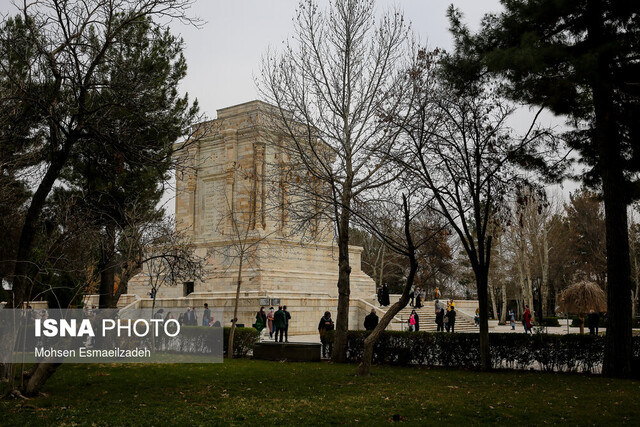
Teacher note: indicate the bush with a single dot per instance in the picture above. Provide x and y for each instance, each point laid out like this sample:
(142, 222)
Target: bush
(567, 353)
(549, 321)
(243, 340)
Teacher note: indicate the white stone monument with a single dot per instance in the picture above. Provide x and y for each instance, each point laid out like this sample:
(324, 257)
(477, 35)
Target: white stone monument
(234, 193)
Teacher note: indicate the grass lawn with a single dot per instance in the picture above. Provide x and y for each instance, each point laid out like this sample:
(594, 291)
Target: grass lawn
(252, 392)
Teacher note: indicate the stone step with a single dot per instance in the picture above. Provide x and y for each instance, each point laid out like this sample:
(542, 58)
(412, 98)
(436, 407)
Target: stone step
(427, 320)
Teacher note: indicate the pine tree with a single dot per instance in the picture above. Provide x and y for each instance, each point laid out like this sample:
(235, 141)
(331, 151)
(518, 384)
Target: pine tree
(579, 58)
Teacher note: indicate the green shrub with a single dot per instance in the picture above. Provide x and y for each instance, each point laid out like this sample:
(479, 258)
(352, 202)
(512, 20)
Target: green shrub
(243, 340)
(567, 353)
(549, 321)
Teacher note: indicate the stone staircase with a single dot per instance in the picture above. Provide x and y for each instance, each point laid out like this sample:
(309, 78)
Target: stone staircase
(427, 319)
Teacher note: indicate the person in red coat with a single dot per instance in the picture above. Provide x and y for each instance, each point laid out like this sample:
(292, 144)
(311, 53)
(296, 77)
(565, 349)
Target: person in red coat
(526, 320)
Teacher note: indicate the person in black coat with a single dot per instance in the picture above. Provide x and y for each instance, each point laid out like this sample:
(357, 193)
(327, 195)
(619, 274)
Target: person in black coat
(451, 315)
(326, 325)
(286, 324)
(440, 320)
(190, 318)
(384, 296)
(371, 321)
(593, 320)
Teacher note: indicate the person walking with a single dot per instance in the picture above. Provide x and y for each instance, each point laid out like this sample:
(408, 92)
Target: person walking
(412, 295)
(437, 293)
(526, 320)
(371, 321)
(326, 325)
(440, 320)
(417, 319)
(279, 322)
(261, 321)
(206, 315)
(270, 321)
(512, 320)
(451, 315)
(419, 297)
(286, 323)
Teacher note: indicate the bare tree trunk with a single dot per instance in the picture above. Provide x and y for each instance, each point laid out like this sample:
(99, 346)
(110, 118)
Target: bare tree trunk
(531, 299)
(523, 287)
(339, 352)
(36, 377)
(482, 284)
(107, 268)
(636, 279)
(28, 232)
(235, 309)
(503, 314)
(544, 287)
(365, 364)
(493, 302)
(381, 273)
(520, 308)
(581, 317)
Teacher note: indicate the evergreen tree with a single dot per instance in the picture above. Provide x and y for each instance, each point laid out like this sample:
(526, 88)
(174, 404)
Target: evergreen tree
(579, 58)
(120, 170)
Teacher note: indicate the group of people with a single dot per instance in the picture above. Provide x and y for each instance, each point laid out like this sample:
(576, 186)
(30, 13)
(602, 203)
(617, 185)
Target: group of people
(417, 296)
(190, 317)
(527, 320)
(276, 321)
(445, 320)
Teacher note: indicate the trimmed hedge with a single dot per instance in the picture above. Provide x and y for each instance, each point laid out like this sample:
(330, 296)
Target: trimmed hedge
(199, 339)
(243, 340)
(568, 353)
(549, 321)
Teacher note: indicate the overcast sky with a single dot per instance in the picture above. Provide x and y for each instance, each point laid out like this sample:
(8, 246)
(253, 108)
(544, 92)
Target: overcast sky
(224, 55)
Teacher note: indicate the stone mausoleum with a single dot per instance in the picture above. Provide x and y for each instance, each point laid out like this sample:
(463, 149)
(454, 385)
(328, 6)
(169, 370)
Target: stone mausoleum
(232, 194)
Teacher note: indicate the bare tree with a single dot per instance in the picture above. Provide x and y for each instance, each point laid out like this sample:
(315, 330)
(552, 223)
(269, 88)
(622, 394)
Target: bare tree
(169, 257)
(331, 83)
(413, 228)
(459, 148)
(247, 240)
